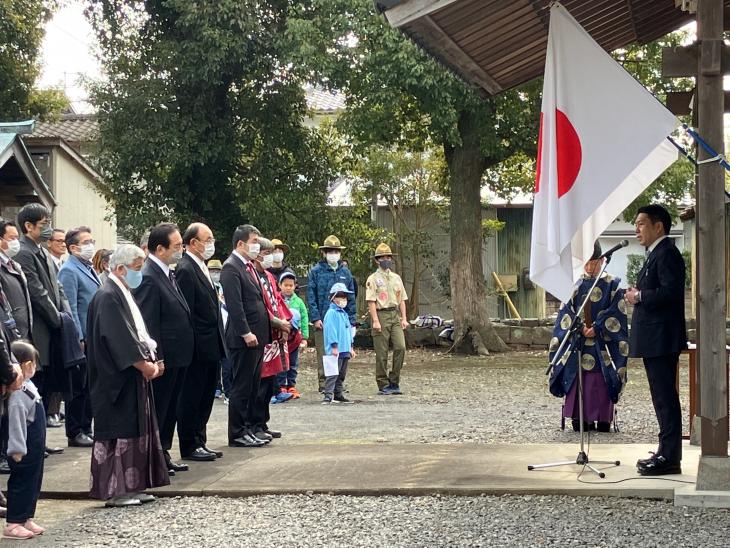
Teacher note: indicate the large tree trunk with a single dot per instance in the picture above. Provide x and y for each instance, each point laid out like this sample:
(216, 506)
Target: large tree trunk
(473, 332)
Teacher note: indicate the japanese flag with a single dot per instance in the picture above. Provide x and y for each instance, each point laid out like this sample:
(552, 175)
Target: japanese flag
(603, 140)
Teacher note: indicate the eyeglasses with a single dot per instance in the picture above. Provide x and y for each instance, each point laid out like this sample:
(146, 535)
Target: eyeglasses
(87, 242)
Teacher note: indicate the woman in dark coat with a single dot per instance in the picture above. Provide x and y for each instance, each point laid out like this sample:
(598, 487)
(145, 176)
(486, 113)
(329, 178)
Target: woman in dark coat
(127, 455)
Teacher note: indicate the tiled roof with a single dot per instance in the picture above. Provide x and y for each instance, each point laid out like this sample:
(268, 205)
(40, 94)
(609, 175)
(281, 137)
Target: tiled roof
(320, 100)
(73, 128)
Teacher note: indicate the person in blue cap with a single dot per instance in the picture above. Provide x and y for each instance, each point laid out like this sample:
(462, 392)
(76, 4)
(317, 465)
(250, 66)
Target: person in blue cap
(337, 342)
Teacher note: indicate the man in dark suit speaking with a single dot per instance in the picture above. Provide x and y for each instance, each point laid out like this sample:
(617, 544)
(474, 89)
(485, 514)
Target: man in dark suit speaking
(658, 333)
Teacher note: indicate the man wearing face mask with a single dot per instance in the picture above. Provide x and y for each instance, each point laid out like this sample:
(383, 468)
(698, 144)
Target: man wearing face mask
(278, 265)
(198, 393)
(248, 331)
(80, 282)
(322, 277)
(167, 318)
(13, 280)
(46, 296)
(386, 299)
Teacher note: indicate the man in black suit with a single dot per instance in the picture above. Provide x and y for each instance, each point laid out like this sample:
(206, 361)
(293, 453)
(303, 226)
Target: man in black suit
(198, 393)
(167, 317)
(13, 280)
(247, 332)
(658, 333)
(46, 297)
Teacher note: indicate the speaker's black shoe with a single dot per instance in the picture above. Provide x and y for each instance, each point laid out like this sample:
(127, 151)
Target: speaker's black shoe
(200, 454)
(659, 466)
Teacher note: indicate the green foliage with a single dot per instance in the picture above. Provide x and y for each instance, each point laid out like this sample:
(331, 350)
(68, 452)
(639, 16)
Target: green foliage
(201, 120)
(636, 261)
(21, 38)
(490, 227)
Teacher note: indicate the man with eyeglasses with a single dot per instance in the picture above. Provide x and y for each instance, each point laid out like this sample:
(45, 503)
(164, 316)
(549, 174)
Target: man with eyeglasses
(198, 392)
(57, 247)
(80, 282)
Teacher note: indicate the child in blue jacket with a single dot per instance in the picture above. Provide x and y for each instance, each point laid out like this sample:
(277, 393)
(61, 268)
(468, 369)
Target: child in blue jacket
(337, 342)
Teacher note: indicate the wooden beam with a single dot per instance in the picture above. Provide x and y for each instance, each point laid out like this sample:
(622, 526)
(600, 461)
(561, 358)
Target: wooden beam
(454, 55)
(679, 102)
(409, 11)
(682, 62)
(711, 246)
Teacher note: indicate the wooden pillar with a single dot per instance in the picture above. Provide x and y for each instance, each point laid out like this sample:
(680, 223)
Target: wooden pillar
(711, 240)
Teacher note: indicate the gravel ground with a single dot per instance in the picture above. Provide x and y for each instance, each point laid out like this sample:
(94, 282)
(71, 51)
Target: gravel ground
(393, 522)
(497, 399)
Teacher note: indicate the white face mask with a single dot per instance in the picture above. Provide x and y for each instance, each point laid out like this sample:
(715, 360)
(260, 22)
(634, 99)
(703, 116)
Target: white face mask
(253, 250)
(333, 258)
(13, 248)
(342, 303)
(278, 256)
(209, 251)
(267, 261)
(87, 252)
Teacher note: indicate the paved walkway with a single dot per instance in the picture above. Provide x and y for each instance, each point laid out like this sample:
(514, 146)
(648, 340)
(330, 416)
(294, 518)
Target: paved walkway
(380, 469)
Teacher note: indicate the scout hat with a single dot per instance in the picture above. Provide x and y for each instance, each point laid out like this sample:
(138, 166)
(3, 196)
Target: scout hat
(382, 249)
(339, 288)
(331, 242)
(287, 275)
(278, 244)
(214, 264)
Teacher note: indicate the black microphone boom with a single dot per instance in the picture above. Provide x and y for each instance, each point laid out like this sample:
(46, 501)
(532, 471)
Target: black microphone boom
(622, 243)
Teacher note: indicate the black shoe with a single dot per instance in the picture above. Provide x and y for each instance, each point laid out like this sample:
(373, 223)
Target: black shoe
(342, 399)
(643, 462)
(218, 454)
(177, 466)
(199, 454)
(54, 450)
(659, 466)
(81, 440)
(246, 441)
(253, 435)
(263, 435)
(273, 433)
(4, 469)
(53, 422)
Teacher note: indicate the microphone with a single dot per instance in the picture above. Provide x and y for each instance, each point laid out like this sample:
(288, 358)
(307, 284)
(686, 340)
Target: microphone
(607, 254)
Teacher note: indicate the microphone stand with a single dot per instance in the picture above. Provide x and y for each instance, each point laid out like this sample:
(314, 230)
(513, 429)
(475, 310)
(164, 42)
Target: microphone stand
(571, 338)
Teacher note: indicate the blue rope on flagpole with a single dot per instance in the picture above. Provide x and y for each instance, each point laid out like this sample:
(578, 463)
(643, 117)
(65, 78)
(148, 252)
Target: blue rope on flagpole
(714, 156)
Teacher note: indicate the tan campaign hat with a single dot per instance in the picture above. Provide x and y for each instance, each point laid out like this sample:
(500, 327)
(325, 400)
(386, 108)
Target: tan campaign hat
(383, 249)
(332, 242)
(214, 264)
(278, 244)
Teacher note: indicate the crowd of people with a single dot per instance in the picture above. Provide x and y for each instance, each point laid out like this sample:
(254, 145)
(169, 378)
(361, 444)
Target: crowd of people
(133, 344)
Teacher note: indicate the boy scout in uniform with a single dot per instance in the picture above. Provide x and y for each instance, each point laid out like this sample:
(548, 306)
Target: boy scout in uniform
(386, 298)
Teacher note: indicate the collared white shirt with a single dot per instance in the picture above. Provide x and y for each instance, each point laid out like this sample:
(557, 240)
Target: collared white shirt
(243, 259)
(4, 258)
(652, 247)
(163, 266)
(202, 266)
(142, 333)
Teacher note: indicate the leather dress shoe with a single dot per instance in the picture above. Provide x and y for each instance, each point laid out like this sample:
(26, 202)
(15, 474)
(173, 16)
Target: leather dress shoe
(218, 454)
(200, 454)
(272, 433)
(80, 440)
(53, 422)
(54, 450)
(177, 466)
(255, 437)
(246, 441)
(659, 466)
(643, 462)
(170, 473)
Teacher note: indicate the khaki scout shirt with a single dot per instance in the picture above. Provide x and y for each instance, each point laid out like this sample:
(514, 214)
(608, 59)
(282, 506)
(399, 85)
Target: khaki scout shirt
(386, 289)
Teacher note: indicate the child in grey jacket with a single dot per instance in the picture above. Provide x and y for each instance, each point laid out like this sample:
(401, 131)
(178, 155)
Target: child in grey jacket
(26, 443)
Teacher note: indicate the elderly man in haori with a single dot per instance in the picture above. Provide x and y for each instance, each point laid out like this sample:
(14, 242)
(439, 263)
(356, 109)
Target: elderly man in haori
(601, 349)
(127, 455)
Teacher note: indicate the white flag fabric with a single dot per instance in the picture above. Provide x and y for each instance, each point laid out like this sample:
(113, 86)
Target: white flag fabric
(603, 140)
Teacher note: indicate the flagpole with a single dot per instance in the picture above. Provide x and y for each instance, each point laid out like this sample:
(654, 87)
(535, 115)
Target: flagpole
(573, 334)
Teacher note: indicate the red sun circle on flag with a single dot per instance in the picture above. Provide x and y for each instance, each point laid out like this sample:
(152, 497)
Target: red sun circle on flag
(569, 153)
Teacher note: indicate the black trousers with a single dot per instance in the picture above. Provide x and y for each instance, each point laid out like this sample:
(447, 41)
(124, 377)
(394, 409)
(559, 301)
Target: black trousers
(260, 410)
(662, 374)
(244, 387)
(26, 476)
(166, 390)
(195, 405)
(78, 403)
